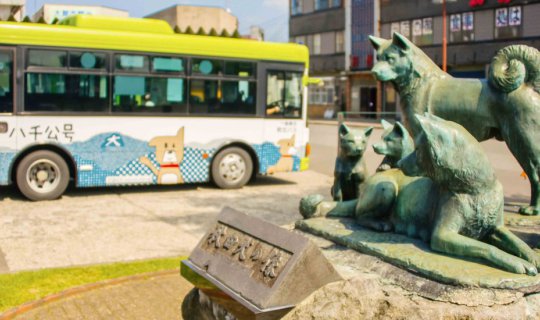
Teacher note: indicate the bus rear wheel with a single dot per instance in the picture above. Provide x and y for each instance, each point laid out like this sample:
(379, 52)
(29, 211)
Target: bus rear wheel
(232, 168)
(42, 175)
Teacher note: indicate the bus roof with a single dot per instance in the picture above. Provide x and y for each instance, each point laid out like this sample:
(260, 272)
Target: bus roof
(144, 35)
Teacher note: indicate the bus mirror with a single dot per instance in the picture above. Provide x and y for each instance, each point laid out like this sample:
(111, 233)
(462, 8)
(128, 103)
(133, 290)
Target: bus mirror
(314, 81)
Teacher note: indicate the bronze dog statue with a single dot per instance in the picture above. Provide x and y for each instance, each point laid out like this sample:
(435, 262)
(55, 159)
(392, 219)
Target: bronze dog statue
(505, 106)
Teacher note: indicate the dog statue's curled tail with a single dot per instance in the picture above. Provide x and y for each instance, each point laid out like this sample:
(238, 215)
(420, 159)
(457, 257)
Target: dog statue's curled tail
(513, 66)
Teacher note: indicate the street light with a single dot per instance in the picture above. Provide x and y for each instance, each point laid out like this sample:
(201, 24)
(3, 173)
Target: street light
(444, 39)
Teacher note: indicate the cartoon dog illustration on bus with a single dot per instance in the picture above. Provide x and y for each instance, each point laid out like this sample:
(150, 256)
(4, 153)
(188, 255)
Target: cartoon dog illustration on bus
(286, 161)
(169, 155)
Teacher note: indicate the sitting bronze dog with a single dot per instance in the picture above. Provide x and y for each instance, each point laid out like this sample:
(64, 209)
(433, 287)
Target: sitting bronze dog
(351, 168)
(505, 106)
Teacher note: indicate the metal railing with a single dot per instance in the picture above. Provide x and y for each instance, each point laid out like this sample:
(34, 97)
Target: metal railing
(367, 116)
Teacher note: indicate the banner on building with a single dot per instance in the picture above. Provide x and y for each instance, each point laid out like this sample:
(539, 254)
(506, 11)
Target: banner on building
(427, 26)
(515, 16)
(501, 17)
(417, 27)
(455, 22)
(468, 21)
(405, 27)
(394, 27)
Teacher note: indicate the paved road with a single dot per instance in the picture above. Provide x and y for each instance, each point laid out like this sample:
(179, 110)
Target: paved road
(324, 143)
(89, 226)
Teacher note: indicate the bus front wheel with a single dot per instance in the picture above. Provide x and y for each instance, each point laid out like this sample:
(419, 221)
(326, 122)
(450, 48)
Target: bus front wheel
(232, 168)
(42, 175)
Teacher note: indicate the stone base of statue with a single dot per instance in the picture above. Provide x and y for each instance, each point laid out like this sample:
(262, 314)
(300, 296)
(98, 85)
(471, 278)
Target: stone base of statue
(390, 276)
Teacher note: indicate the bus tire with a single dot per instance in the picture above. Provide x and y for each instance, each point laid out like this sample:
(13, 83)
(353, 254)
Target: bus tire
(42, 175)
(232, 168)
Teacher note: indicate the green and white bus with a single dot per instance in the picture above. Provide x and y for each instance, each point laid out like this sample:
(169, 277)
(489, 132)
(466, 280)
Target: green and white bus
(105, 101)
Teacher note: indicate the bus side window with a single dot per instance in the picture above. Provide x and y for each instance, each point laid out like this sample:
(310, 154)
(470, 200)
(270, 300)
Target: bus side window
(284, 94)
(149, 94)
(6, 82)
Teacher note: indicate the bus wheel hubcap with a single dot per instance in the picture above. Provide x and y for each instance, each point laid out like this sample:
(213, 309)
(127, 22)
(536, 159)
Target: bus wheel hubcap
(43, 176)
(232, 168)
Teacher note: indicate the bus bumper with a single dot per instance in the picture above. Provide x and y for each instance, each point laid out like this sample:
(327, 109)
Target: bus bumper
(304, 164)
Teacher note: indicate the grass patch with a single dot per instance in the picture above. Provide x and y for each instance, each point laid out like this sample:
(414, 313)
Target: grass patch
(25, 286)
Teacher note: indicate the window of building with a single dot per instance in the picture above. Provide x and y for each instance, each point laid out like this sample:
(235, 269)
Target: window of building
(206, 67)
(508, 22)
(284, 94)
(149, 94)
(47, 58)
(133, 63)
(461, 27)
(327, 4)
(340, 47)
(66, 92)
(222, 97)
(6, 82)
(316, 44)
(300, 40)
(422, 31)
(296, 7)
(321, 95)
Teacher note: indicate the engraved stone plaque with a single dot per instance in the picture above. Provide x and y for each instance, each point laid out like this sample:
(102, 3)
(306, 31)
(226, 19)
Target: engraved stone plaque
(260, 265)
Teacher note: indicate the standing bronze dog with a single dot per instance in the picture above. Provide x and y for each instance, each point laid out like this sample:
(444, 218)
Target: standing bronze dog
(505, 106)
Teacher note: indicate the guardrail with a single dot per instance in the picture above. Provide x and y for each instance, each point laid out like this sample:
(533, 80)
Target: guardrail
(365, 116)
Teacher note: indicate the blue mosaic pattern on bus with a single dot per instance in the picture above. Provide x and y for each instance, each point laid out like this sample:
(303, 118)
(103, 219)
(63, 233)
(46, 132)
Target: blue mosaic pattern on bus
(194, 167)
(269, 155)
(113, 159)
(5, 159)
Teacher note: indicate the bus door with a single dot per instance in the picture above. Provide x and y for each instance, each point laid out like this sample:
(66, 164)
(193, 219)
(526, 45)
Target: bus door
(285, 125)
(8, 124)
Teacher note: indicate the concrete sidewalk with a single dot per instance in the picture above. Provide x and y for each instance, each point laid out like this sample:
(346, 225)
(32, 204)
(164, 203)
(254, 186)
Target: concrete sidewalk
(151, 296)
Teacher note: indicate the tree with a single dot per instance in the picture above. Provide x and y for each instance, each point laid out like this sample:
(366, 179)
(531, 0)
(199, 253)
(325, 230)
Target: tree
(201, 32)
(11, 18)
(189, 30)
(42, 20)
(236, 34)
(55, 21)
(225, 33)
(177, 30)
(26, 19)
(213, 33)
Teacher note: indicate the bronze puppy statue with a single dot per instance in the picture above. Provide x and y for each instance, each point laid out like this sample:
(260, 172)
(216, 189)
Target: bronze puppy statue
(350, 170)
(505, 106)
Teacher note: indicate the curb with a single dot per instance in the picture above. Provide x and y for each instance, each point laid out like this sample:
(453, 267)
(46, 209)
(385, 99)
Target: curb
(28, 306)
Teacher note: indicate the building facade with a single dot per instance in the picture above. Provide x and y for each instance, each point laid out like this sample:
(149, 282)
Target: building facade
(13, 8)
(475, 32)
(340, 54)
(50, 12)
(198, 17)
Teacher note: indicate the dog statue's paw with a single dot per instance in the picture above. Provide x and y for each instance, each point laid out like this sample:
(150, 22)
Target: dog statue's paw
(529, 211)
(309, 205)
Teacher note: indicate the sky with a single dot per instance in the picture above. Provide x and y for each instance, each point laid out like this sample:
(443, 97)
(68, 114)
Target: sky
(271, 15)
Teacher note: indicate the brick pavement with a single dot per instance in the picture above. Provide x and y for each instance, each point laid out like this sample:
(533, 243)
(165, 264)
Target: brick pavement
(157, 296)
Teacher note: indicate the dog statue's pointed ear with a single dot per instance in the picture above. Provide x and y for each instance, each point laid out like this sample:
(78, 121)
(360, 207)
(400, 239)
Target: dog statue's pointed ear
(368, 131)
(376, 42)
(343, 129)
(386, 125)
(400, 41)
(400, 129)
